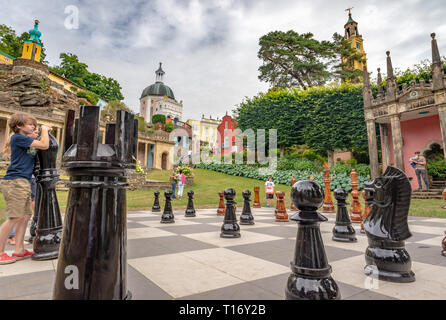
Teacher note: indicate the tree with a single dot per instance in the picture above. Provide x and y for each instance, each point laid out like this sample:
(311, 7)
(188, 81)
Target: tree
(294, 60)
(323, 118)
(345, 69)
(76, 71)
(159, 118)
(12, 44)
(108, 113)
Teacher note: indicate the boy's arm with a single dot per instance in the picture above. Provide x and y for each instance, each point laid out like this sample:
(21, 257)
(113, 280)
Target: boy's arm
(44, 141)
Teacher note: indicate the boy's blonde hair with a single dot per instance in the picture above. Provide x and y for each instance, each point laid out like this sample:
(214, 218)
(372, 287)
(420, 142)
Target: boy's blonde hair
(17, 119)
(20, 119)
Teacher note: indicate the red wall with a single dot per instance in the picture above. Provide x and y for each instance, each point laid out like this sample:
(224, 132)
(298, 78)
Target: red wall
(416, 133)
(221, 130)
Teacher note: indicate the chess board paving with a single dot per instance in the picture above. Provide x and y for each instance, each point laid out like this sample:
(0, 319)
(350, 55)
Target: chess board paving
(188, 260)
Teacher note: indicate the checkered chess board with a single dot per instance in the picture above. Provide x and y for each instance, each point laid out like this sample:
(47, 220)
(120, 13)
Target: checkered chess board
(188, 260)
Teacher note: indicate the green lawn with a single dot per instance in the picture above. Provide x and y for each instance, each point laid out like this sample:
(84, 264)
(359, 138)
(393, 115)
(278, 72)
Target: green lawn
(207, 184)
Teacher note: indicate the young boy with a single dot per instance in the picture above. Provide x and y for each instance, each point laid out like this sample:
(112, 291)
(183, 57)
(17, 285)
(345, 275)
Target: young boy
(269, 190)
(15, 185)
(7, 149)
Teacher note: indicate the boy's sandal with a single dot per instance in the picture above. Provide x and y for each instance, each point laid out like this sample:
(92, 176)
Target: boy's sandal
(5, 259)
(25, 255)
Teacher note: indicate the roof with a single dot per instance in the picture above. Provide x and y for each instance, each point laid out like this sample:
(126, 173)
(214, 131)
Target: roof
(7, 55)
(350, 19)
(157, 89)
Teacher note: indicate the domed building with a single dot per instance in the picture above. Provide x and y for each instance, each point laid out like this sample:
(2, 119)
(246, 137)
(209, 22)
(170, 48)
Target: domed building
(159, 99)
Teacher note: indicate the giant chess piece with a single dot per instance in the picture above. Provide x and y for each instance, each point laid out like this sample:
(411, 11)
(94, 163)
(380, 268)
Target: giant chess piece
(49, 222)
(256, 203)
(167, 216)
(310, 278)
(33, 227)
(328, 203)
(230, 227)
(292, 207)
(281, 214)
(443, 244)
(190, 210)
(343, 230)
(93, 253)
(221, 205)
(246, 215)
(386, 227)
(156, 203)
(367, 208)
(355, 209)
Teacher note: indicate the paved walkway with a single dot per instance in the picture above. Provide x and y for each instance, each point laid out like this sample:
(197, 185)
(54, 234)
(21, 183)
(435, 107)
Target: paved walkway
(189, 260)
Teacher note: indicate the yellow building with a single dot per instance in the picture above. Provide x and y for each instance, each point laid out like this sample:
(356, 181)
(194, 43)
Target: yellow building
(5, 58)
(204, 131)
(355, 41)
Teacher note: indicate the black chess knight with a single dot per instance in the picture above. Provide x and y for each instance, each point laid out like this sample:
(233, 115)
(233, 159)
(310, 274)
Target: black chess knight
(386, 227)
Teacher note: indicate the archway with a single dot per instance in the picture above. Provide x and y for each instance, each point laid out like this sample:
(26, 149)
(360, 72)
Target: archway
(164, 161)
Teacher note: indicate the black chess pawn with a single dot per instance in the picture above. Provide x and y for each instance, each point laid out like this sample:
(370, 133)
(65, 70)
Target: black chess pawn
(246, 215)
(167, 216)
(310, 278)
(190, 210)
(156, 204)
(230, 227)
(343, 230)
(49, 223)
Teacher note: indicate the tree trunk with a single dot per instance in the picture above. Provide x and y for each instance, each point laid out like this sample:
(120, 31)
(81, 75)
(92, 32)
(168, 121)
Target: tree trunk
(282, 151)
(330, 159)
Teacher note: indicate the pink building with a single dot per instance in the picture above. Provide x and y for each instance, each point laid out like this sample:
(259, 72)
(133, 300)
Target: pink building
(410, 118)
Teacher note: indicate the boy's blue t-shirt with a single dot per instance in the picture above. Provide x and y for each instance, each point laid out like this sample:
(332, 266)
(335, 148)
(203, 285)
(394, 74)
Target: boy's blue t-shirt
(22, 158)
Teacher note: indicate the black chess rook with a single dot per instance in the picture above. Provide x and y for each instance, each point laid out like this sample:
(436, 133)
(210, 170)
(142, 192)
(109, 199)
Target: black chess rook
(190, 210)
(168, 216)
(156, 203)
(343, 230)
(93, 250)
(246, 217)
(230, 227)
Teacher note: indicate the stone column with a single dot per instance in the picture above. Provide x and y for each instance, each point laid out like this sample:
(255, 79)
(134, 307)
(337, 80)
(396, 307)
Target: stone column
(373, 151)
(442, 116)
(146, 149)
(397, 141)
(385, 145)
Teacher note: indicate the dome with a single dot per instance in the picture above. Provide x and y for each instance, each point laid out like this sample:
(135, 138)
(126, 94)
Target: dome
(157, 89)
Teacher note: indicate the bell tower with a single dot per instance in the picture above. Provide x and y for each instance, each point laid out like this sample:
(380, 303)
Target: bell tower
(355, 41)
(32, 48)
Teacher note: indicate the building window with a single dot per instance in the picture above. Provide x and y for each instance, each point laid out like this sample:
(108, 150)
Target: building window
(358, 46)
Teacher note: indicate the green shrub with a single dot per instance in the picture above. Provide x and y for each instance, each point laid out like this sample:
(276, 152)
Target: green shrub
(159, 118)
(437, 168)
(341, 168)
(363, 169)
(307, 165)
(186, 170)
(90, 96)
(169, 127)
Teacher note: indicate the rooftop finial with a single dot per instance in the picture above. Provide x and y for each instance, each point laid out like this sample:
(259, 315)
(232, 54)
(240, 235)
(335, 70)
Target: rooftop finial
(380, 81)
(389, 66)
(349, 10)
(435, 53)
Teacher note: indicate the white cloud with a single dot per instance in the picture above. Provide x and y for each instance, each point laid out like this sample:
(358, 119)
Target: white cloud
(209, 47)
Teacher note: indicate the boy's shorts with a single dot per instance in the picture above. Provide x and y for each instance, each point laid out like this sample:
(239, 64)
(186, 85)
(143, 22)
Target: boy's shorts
(269, 196)
(17, 194)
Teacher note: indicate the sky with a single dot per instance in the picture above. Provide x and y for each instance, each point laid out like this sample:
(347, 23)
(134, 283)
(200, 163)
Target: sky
(209, 48)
